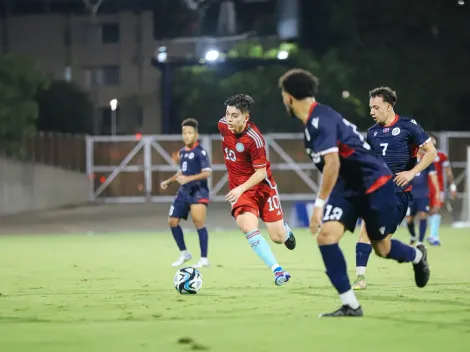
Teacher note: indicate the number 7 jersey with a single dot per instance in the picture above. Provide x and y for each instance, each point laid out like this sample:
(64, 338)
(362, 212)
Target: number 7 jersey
(243, 154)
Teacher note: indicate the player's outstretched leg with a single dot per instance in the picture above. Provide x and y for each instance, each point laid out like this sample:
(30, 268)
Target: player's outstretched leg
(248, 223)
(402, 253)
(335, 264)
(177, 232)
(280, 232)
(363, 251)
(198, 214)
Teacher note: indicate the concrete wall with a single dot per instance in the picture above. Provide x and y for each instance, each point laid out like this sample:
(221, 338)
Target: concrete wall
(26, 187)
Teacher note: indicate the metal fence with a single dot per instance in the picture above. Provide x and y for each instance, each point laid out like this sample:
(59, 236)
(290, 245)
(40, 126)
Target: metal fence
(130, 168)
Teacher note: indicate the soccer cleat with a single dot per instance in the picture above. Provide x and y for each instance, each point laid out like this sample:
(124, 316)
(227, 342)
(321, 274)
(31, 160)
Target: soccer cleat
(344, 311)
(433, 241)
(202, 263)
(281, 277)
(359, 283)
(182, 259)
(422, 272)
(290, 243)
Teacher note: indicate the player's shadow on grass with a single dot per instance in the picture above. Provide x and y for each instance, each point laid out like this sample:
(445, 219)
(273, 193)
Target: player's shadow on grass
(366, 296)
(463, 325)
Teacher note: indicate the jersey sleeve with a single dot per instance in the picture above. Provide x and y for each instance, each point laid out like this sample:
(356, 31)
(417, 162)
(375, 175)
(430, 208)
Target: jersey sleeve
(324, 136)
(204, 161)
(369, 136)
(418, 136)
(444, 159)
(258, 154)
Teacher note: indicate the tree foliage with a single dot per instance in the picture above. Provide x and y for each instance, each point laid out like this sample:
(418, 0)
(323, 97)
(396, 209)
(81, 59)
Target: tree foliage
(20, 81)
(65, 108)
(422, 51)
(201, 91)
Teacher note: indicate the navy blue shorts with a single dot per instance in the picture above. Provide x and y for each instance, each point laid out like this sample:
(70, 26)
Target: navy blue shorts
(419, 204)
(182, 204)
(378, 209)
(403, 200)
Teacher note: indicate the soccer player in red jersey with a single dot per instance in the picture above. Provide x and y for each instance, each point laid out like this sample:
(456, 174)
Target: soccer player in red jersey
(253, 192)
(441, 163)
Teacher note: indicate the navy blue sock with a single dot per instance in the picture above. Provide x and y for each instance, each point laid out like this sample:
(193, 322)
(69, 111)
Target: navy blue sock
(363, 251)
(401, 252)
(203, 241)
(411, 228)
(335, 265)
(177, 232)
(423, 224)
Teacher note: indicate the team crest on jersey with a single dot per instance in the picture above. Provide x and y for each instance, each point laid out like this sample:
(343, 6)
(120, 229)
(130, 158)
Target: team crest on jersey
(396, 131)
(191, 155)
(386, 130)
(239, 147)
(375, 134)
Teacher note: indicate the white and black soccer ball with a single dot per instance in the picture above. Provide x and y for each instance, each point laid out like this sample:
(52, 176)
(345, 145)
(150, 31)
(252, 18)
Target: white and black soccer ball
(188, 281)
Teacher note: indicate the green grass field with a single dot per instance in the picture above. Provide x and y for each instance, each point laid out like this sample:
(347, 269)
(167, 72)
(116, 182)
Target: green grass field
(114, 292)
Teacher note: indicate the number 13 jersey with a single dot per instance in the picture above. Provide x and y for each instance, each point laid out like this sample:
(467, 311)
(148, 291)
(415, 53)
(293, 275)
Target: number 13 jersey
(326, 131)
(243, 154)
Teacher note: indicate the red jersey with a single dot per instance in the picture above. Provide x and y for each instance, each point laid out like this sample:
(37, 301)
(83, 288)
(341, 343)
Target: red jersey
(244, 153)
(441, 162)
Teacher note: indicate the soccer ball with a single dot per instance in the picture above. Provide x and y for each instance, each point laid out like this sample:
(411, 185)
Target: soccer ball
(188, 281)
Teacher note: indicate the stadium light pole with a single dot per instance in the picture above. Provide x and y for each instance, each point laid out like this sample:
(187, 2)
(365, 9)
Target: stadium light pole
(168, 66)
(113, 104)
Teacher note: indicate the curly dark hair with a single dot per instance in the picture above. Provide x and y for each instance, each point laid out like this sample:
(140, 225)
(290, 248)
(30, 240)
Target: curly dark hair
(386, 93)
(299, 83)
(242, 102)
(190, 122)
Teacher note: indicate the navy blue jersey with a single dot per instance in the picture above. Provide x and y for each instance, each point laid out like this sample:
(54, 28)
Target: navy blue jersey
(192, 162)
(327, 131)
(397, 144)
(420, 182)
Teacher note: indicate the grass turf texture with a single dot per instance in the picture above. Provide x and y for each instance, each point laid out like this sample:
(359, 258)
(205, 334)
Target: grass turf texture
(114, 292)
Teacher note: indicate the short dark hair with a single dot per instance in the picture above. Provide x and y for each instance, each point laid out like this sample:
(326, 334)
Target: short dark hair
(242, 102)
(386, 93)
(190, 122)
(299, 83)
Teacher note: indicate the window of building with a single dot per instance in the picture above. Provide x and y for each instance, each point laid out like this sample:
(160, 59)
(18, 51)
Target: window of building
(102, 76)
(110, 33)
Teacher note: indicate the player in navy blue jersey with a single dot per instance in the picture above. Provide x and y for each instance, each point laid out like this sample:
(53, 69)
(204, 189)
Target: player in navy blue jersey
(395, 139)
(193, 194)
(420, 200)
(356, 183)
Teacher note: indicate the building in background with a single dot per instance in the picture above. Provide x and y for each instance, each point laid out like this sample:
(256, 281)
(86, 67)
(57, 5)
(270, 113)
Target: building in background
(109, 55)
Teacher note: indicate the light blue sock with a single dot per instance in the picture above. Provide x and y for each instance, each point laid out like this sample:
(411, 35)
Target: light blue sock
(262, 249)
(435, 223)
